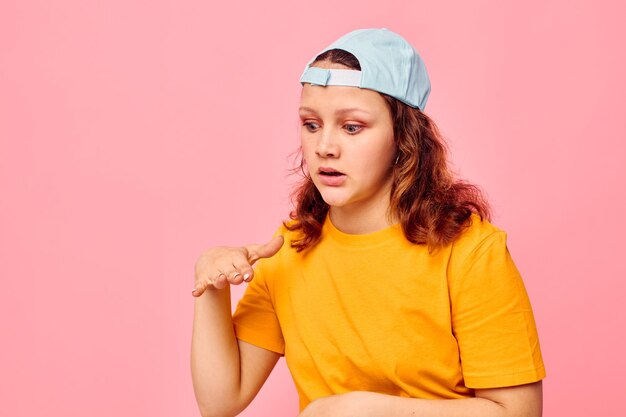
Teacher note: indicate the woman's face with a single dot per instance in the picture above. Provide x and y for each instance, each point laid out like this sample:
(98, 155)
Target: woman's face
(350, 130)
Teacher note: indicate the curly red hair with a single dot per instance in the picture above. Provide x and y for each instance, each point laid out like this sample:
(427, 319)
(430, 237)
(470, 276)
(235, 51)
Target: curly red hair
(432, 205)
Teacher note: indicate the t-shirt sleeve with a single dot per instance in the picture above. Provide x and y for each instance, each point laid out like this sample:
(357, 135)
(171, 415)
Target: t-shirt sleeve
(255, 320)
(492, 318)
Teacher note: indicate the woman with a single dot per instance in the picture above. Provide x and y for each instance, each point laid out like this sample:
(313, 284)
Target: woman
(394, 293)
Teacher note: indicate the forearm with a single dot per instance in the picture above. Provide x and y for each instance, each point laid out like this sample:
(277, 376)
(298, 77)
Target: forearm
(215, 364)
(525, 400)
(382, 405)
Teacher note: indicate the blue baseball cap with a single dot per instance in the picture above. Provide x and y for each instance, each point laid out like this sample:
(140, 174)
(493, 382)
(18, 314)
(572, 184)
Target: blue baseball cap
(389, 64)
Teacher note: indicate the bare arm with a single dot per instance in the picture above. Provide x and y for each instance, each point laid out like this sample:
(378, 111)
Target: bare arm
(215, 365)
(227, 373)
(521, 400)
(515, 401)
(256, 365)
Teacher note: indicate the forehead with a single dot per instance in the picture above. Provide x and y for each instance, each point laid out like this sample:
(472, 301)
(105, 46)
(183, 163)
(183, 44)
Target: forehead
(332, 97)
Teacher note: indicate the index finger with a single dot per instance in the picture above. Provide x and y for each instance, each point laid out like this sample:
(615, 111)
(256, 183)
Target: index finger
(258, 251)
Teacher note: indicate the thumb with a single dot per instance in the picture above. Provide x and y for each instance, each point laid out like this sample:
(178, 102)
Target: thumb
(255, 252)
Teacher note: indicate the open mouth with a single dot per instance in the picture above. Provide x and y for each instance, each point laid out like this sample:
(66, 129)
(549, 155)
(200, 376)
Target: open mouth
(330, 172)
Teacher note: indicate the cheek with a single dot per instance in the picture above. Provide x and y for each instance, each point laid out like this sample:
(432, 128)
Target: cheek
(376, 165)
(307, 149)
(373, 158)
(308, 155)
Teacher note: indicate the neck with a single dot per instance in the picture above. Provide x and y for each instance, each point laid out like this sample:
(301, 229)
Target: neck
(362, 220)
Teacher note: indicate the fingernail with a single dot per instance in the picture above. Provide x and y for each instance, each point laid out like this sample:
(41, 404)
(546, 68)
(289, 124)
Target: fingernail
(193, 290)
(246, 276)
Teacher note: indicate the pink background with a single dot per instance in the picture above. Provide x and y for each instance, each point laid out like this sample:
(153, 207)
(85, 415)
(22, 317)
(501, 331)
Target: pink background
(136, 134)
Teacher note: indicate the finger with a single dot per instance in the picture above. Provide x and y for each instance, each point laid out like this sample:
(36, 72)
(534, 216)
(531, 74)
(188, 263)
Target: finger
(197, 291)
(255, 252)
(220, 281)
(230, 276)
(241, 264)
(200, 288)
(242, 272)
(248, 273)
(234, 277)
(235, 274)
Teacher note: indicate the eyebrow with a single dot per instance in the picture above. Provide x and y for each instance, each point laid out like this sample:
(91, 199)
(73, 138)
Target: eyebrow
(337, 112)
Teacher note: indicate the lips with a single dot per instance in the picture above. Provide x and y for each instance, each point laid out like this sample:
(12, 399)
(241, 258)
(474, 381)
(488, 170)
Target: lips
(330, 176)
(327, 171)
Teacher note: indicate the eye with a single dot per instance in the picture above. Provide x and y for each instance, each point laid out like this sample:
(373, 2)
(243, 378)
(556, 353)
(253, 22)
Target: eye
(353, 129)
(310, 126)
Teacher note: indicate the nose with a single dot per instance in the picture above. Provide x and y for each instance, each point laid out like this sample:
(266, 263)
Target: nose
(327, 146)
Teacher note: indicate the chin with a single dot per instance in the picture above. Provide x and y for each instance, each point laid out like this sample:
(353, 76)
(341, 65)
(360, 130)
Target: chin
(333, 200)
(336, 197)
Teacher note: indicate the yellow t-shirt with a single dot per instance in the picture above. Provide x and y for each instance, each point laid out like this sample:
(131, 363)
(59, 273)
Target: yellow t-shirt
(374, 312)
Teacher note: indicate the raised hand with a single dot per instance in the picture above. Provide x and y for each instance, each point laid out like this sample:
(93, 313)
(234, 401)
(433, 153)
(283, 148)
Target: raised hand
(221, 265)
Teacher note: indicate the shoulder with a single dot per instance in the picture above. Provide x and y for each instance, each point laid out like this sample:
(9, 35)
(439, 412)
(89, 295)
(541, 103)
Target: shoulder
(476, 231)
(477, 236)
(284, 230)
